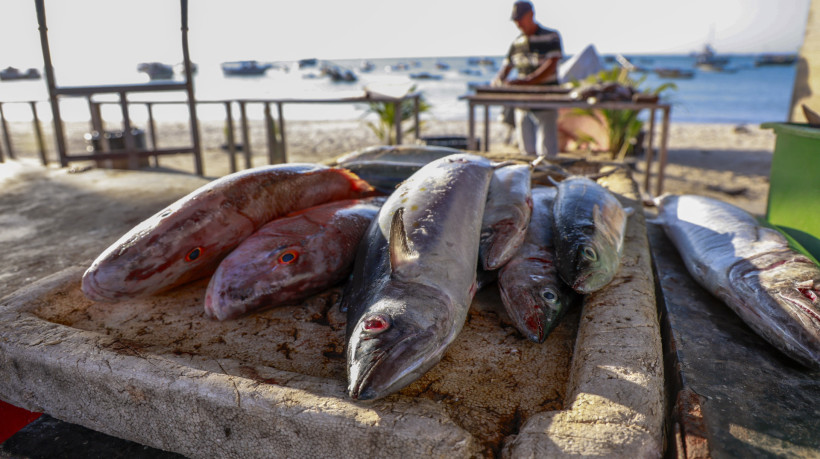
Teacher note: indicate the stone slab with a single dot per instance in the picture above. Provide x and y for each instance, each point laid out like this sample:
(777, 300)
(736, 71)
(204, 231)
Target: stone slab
(157, 372)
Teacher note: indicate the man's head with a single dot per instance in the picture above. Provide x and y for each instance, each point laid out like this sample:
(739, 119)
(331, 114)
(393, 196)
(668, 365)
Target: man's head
(523, 16)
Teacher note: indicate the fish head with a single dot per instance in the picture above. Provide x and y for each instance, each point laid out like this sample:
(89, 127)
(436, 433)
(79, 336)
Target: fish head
(172, 244)
(397, 339)
(535, 298)
(278, 267)
(592, 256)
(786, 294)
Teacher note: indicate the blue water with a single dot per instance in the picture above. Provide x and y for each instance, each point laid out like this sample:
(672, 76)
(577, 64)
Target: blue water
(745, 95)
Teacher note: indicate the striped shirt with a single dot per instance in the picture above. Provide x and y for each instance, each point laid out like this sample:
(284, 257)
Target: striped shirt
(528, 52)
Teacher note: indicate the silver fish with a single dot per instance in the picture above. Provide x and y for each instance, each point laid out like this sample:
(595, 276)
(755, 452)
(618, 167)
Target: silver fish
(589, 224)
(415, 276)
(506, 215)
(186, 240)
(751, 268)
(290, 258)
(531, 290)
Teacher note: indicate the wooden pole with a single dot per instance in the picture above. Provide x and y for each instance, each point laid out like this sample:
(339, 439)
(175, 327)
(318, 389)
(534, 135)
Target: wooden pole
(52, 86)
(246, 137)
(282, 144)
(38, 133)
(189, 89)
(152, 131)
(9, 149)
(229, 136)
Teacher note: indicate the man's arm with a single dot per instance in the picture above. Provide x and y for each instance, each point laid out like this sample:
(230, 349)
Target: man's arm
(502, 75)
(540, 75)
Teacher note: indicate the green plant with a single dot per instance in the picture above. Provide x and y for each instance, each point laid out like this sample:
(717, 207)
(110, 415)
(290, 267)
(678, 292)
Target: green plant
(623, 126)
(385, 125)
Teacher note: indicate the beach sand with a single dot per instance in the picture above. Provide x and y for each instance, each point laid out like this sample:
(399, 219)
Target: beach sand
(725, 161)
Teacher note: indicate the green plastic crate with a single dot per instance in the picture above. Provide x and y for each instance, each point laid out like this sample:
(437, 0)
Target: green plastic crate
(794, 185)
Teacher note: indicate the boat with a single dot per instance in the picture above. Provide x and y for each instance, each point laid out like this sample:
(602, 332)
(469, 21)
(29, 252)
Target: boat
(775, 59)
(670, 72)
(244, 68)
(12, 73)
(425, 76)
(338, 74)
(442, 65)
(310, 62)
(708, 60)
(156, 70)
(366, 66)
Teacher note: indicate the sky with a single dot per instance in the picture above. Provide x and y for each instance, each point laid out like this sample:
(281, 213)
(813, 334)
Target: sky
(100, 33)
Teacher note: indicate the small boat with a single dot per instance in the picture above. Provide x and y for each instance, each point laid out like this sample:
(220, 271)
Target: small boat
(366, 66)
(708, 60)
(471, 72)
(442, 65)
(338, 74)
(156, 70)
(425, 76)
(244, 68)
(668, 72)
(775, 59)
(310, 62)
(12, 73)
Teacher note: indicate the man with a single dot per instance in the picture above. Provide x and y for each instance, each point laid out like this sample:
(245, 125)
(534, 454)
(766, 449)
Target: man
(534, 55)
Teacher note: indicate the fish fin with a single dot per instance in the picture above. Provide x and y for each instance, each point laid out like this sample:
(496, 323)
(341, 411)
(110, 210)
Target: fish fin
(765, 234)
(401, 251)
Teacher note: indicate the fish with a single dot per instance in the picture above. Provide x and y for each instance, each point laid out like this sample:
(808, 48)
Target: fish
(186, 240)
(506, 215)
(290, 258)
(408, 154)
(532, 292)
(384, 176)
(773, 288)
(589, 228)
(415, 276)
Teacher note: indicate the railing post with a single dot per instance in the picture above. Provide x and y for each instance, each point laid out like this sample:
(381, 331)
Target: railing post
(229, 140)
(246, 137)
(270, 130)
(38, 133)
(282, 143)
(152, 131)
(130, 146)
(9, 149)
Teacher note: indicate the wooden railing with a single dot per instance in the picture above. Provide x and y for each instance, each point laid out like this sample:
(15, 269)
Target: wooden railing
(274, 126)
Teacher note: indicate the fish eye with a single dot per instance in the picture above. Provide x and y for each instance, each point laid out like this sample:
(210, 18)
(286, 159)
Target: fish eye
(376, 324)
(549, 295)
(288, 256)
(194, 254)
(589, 253)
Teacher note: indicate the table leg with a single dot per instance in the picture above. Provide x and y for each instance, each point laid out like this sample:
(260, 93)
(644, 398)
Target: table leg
(470, 127)
(650, 151)
(486, 128)
(662, 159)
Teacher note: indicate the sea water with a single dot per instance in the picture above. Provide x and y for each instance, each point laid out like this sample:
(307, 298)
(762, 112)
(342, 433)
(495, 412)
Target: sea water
(742, 94)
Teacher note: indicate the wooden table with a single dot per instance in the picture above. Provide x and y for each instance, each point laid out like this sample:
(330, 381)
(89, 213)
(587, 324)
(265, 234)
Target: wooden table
(556, 100)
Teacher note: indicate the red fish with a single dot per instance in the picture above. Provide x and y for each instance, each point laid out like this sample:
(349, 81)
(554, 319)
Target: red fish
(290, 258)
(188, 239)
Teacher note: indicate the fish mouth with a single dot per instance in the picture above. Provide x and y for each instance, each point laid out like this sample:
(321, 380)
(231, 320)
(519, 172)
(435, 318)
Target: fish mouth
(362, 388)
(91, 288)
